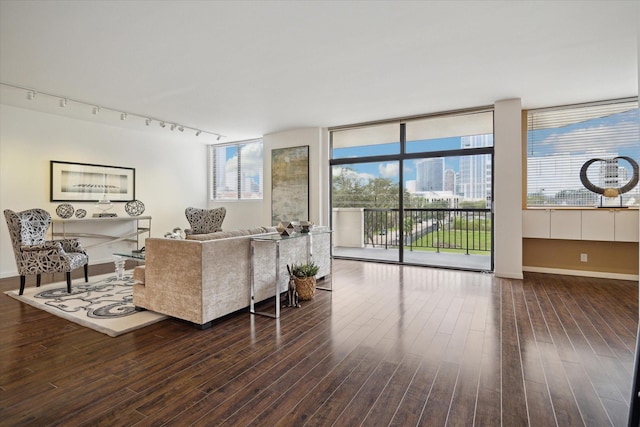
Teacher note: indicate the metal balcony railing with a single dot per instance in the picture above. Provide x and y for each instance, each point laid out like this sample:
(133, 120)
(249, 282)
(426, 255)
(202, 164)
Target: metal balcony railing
(437, 229)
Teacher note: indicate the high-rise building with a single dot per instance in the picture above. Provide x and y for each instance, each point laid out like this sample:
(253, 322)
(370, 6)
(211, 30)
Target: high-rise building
(475, 171)
(430, 174)
(450, 181)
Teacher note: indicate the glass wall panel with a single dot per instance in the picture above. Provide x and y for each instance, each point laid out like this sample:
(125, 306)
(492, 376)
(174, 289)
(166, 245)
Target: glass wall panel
(417, 191)
(365, 210)
(447, 214)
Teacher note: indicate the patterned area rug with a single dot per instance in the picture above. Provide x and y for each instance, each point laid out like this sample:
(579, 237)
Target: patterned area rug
(104, 304)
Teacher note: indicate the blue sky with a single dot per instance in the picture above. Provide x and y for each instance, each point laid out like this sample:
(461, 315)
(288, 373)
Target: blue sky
(377, 169)
(572, 138)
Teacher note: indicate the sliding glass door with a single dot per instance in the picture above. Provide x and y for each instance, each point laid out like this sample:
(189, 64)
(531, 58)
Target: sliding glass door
(365, 183)
(417, 191)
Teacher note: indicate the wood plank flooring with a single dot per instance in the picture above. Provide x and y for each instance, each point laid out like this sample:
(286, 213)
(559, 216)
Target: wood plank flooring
(390, 346)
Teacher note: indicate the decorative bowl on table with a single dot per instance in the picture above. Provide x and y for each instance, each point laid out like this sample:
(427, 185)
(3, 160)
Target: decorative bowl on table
(65, 210)
(134, 208)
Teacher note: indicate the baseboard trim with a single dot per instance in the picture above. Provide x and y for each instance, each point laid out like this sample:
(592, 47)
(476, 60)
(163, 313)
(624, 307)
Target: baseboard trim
(582, 273)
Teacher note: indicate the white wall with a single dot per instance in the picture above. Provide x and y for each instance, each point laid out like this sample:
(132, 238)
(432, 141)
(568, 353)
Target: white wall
(508, 189)
(171, 173)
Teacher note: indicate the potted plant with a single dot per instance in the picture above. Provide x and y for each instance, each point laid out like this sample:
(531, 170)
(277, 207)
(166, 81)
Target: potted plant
(304, 276)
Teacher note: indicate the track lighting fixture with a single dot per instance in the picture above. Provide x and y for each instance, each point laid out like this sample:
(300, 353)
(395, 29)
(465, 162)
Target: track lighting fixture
(31, 95)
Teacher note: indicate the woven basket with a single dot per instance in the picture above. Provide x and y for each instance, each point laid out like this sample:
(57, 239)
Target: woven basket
(306, 287)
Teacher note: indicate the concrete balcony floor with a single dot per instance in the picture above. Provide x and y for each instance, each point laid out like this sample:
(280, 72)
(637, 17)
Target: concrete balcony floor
(432, 259)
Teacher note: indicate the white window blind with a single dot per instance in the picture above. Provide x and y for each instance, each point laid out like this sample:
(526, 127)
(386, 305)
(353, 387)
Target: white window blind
(561, 140)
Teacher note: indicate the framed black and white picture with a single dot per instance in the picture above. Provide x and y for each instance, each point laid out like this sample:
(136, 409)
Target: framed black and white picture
(72, 182)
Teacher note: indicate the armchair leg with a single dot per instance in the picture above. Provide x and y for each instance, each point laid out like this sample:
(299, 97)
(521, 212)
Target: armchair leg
(22, 282)
(38, 277)
(68, 282)
(86, 272)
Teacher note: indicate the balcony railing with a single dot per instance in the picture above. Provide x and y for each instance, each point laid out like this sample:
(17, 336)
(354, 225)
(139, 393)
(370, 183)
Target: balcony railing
(437, 229)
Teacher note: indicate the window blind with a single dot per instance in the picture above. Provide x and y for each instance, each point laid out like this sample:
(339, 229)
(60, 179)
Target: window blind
(561, 140)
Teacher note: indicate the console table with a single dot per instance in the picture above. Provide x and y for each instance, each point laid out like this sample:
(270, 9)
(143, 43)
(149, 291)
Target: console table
(277, 240)
(140, 225)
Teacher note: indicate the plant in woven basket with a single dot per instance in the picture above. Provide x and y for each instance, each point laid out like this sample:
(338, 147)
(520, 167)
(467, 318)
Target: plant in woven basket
(304, 276)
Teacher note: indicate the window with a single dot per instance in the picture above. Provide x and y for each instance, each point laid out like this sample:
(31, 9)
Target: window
(404, 190)
(561, 140)
(236, 170)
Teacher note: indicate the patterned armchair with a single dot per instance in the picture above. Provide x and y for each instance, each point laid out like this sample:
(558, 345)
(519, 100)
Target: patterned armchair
(203, 221)
(35, 255)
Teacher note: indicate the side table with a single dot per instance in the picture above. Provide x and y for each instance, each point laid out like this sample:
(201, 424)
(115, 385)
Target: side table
(276, 240)
(119, 260)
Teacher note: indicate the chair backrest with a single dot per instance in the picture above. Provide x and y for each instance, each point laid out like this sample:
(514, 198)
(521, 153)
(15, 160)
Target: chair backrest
(203, 221)
(27, 227)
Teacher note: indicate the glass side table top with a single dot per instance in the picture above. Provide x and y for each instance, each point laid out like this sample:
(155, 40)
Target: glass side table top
(131, 255)
(295, 235)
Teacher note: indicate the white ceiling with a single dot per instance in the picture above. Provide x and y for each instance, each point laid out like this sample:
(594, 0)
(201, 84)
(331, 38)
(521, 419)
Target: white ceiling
(244, 68)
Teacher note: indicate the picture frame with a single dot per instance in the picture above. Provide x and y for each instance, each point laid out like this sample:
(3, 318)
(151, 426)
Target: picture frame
(290, 184)
(85, 182)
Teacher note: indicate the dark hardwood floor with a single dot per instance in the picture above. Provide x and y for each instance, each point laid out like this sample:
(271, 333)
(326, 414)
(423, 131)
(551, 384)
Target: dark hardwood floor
(390, 345)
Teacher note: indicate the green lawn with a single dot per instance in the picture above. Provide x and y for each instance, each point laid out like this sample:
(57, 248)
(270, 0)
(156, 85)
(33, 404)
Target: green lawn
(454, 241)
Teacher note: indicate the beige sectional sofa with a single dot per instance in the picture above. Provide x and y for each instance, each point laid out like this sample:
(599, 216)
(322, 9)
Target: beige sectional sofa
(207, 276)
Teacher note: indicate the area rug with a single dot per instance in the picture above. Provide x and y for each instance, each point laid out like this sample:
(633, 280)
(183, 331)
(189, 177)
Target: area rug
(104, 304)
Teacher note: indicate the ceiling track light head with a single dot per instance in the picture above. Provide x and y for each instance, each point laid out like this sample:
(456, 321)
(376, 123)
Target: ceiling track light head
(63, 101)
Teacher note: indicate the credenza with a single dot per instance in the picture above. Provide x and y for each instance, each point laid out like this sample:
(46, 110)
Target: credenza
(102, 231)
